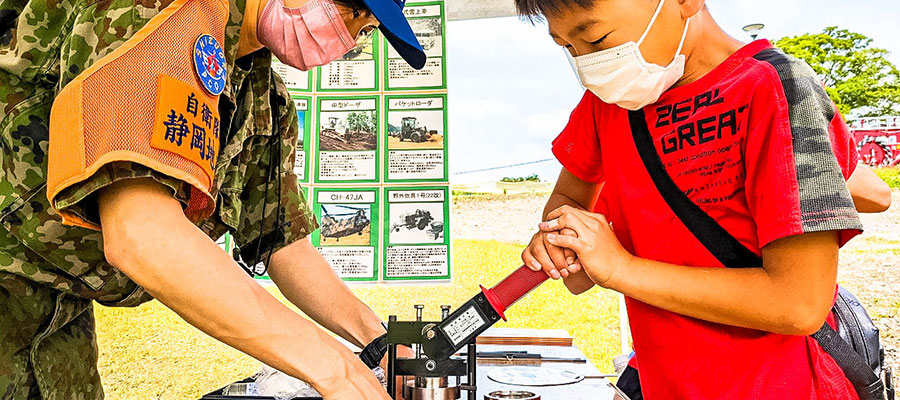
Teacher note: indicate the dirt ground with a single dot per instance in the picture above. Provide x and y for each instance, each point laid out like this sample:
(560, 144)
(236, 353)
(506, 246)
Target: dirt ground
(363, 238)
(358, 141)
(869, 264)
(434, 142)
(870, 268)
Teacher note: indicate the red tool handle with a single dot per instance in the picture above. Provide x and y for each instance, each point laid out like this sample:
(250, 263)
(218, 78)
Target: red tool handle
(513, 287)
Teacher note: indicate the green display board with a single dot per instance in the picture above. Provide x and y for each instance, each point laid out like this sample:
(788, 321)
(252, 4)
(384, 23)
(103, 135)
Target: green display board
(416, 233)
(348, 230)
(428, 23)
(372, 156)
(347, 139)
(357, 71)
(297, 81)
(301, 165)
(416, 140)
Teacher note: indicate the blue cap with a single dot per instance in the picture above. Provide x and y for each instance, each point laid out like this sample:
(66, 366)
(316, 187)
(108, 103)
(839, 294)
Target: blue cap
(396, 29)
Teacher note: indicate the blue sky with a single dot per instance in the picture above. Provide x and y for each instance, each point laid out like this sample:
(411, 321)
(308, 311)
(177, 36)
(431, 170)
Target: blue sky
(511, 89)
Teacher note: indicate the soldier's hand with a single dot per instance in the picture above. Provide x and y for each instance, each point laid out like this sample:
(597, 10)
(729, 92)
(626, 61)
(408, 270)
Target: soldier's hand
(353, 383)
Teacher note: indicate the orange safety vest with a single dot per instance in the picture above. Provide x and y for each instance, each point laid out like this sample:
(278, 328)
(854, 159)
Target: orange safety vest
(144, 103)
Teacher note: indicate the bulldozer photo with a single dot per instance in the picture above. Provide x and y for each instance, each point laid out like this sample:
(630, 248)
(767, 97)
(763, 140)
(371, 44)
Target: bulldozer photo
(333, 129)
(347, 131)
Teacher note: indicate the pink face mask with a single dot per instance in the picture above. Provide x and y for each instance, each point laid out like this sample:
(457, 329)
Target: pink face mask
(305, 37)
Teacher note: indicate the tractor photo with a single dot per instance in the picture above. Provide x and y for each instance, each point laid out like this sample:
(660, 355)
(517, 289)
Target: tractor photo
(412, 131)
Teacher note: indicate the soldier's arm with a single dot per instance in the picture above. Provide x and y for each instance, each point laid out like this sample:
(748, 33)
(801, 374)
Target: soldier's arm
(306, 279)
(147, 237)
(870, 193)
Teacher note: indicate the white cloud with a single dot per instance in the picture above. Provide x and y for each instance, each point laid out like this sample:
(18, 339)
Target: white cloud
(548, 123)
(874, 18)
(511, 91)
(511, 88)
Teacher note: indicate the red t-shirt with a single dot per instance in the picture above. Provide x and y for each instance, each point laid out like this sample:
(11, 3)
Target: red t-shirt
(758, 145)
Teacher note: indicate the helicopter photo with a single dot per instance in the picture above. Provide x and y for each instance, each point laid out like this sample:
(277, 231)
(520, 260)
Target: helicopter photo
(345, 224)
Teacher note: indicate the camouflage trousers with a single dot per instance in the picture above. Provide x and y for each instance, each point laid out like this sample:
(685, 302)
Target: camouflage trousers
(48, 346)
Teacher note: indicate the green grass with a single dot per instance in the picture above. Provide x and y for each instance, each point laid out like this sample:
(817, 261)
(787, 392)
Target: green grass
(879, 240)
(148, 352)
(890, 175)
(895, 252)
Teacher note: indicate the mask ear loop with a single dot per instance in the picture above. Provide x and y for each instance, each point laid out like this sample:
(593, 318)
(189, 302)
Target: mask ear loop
(652, 20)
(687, 24)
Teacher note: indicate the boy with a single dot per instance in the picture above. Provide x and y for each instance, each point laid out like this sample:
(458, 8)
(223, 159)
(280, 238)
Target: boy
(749, 134)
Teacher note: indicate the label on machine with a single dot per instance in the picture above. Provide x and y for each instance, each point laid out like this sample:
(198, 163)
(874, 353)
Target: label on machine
(464, 325)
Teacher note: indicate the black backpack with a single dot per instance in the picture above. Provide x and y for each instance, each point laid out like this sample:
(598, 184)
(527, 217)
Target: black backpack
(855, 345)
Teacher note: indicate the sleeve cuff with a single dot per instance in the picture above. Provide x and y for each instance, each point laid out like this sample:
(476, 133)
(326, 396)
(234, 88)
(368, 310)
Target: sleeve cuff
(847, 228)
(570, 164)
(79, 200)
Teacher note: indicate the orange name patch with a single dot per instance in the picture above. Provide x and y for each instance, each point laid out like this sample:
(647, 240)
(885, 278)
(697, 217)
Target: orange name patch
(186, 123)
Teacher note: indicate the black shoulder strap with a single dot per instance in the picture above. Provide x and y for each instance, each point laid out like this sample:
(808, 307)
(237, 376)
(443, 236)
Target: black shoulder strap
(733, 254)
(728, 250)
(868, 385)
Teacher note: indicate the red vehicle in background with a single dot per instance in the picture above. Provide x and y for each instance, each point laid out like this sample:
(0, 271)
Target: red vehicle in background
(878, 140)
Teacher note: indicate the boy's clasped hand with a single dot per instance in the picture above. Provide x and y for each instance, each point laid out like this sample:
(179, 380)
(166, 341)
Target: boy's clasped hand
(574, 240)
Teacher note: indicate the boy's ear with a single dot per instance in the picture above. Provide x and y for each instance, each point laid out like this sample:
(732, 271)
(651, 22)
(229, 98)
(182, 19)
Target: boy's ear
(690, 8)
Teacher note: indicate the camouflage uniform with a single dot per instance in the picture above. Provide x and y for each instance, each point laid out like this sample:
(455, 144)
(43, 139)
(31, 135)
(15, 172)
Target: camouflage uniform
(50, 273)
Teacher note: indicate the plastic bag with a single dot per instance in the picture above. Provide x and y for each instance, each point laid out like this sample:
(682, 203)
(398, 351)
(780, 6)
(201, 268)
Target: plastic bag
(272, 382)
(281, 386)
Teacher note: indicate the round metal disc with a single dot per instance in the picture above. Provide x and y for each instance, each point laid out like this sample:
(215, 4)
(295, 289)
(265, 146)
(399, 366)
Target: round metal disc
(533, 376)
(511, 395)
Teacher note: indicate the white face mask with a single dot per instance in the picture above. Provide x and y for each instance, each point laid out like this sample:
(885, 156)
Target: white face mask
(621, 76)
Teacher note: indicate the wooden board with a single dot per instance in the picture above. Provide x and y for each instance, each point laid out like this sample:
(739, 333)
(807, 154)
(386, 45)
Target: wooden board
(525, 337)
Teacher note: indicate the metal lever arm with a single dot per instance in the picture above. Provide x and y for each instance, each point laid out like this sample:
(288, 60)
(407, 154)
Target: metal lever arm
(479, 313)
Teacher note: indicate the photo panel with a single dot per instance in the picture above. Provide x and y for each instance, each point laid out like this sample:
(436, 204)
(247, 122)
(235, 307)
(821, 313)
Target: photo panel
(355, 71)
(416, 138)
(304, 119)
(428, 23)
(348, 227)
(416, 233)
(347, 140)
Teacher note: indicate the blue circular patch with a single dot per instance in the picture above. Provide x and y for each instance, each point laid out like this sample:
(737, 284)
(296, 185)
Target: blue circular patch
(209, 62)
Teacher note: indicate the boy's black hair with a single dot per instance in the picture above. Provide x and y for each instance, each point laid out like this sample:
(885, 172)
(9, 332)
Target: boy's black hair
(535, 10)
